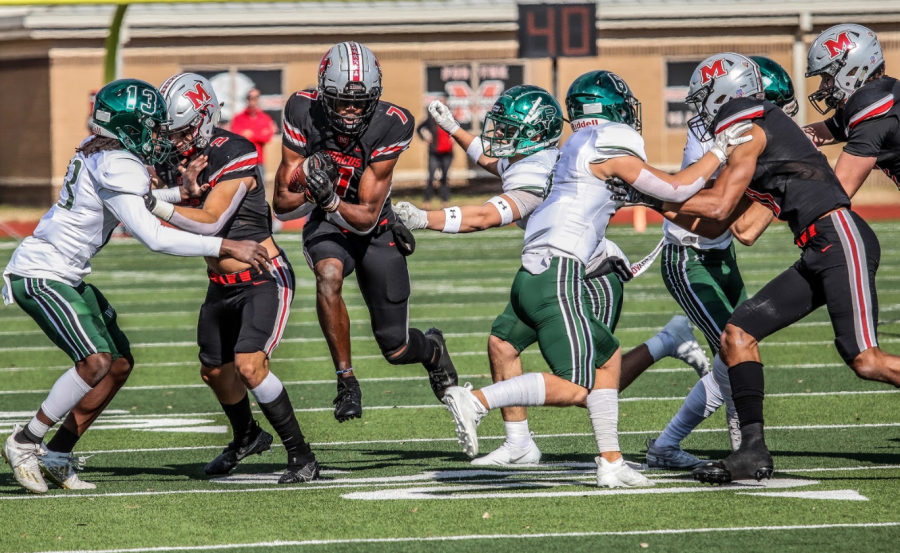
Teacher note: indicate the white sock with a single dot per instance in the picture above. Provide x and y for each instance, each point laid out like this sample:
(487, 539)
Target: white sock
(703, 400)
(603, 408)
(660, 346)
(65, 394)
(720, 373)
(517, 433)
(37, 428)
(527, 390)
(268, 390)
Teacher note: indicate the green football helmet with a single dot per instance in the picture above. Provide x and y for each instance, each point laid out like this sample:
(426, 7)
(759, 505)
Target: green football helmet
(777, 84)
(602, 95)
(134, 113)
(524, 120)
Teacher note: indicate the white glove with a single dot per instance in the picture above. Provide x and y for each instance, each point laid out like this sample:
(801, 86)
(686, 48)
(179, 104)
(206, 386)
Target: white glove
(411, 216)
(443, 116)
(732, 136)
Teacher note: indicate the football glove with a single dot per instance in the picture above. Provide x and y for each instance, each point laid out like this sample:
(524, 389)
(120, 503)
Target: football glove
(411, 216)
(729, 138)
(321, 172)
(612, 265)
(624, 192)
(443, 116)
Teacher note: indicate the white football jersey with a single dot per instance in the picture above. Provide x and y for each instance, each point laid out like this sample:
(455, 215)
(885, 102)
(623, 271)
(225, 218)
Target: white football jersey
(526, 180)
(572, 220)
(693, 151)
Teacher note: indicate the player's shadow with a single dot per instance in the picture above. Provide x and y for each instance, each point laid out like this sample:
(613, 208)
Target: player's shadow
(868, 457)
(382, 458)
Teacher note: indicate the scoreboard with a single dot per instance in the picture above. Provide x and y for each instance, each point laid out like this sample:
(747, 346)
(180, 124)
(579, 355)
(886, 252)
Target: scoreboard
(557, 30)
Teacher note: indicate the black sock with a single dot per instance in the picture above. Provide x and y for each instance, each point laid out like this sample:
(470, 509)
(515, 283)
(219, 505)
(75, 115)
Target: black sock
(419, 349)
(280, 414)
(63, 441)
(26, 437)
(344, 382)
(747, 391)
(241, 419)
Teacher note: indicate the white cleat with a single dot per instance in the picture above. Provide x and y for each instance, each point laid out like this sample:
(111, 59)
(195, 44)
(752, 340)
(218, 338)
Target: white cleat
(508, 455)
(734, 429)
(467, 412)
(619, 474)
(61, 469)
(686, 347)
(23, 458)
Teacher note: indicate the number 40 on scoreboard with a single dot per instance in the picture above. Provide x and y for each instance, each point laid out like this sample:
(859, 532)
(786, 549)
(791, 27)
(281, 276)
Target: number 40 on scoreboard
(557, 30)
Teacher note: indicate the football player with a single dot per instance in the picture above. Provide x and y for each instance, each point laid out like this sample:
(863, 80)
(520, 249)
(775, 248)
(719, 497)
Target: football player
(703, 276)
(849, 60)
(105, 185)
(245, 312)
(341, 144)
(840, 253)
(549, 295)
(518, 144)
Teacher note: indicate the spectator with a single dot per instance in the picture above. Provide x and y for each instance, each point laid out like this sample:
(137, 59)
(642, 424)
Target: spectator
(254, 125)
(440, 155)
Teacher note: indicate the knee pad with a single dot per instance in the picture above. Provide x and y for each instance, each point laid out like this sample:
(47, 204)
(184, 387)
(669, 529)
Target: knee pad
(418, 350)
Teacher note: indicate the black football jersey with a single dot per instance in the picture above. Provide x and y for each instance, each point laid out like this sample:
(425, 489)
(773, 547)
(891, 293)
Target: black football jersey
(792, 178)
(231, 156)
(307, 131)
(870, 125)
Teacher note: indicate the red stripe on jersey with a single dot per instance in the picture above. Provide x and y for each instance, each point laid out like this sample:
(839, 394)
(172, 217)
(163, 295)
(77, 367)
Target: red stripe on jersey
(751, 113)
(764, 199)
(293, 133)
(396, 147)
(314, 95)
(878, 108)
(250, 162)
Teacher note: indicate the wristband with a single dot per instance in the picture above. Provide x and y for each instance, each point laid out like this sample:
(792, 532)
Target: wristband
(171, 195)
(452, 220)
(163, 209)
(475, 149)
(506, 212)
(344, 371)
(332, 206)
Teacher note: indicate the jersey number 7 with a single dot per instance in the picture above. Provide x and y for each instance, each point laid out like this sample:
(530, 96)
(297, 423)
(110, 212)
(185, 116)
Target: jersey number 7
(345, 173)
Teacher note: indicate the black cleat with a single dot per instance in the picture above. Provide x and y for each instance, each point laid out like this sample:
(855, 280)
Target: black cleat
(348, 403)
(233, 454)
(441, 373)
(300, 475)
(752, 460)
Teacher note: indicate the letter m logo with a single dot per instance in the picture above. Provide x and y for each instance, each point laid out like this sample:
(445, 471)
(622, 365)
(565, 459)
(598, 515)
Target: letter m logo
(837, 46)
(712, 71)
(198, 97)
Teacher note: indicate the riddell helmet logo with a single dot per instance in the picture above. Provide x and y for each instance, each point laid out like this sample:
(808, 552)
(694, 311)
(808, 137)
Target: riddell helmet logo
(712, 71)
(837, 46)
(198, 96)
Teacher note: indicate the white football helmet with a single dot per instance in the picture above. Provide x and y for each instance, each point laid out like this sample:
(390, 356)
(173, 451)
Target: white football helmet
(349, 73)
(716, 80)
(193, 107)
(848, 53)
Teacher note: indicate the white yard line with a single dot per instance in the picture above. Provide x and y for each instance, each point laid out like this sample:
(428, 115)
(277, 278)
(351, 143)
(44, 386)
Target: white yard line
(366, 541)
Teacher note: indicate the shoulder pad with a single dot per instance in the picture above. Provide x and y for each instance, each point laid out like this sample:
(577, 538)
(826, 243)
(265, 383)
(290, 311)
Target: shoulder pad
(616, 139)
(123, 172)
(871, 101)
(531, 172)
(737, 110)
(297, 108)
(390, 131)
(232, 156)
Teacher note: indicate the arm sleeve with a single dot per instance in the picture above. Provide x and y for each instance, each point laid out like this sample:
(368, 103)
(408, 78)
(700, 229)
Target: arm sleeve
(836, 129)
(171, 195)
(130, 209)
(867, 138)
(211, 229)
(299, 213)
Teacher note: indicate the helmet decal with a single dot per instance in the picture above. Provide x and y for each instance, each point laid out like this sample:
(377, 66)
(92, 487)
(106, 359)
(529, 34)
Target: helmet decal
(837, 46)
(712, 70)
(198, 96)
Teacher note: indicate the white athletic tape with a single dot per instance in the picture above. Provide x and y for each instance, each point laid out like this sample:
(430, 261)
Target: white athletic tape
(650, 184)
(475, 149)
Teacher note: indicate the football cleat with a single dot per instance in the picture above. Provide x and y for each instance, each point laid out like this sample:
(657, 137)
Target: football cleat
(508, 454)
(686, 347)
(61, 469)
(752, 460)
(467, 413)
(672, 457)
(619, 474)
(23, 458)
(300, 475)
(348, 403)
(441, 373)
(234, 454)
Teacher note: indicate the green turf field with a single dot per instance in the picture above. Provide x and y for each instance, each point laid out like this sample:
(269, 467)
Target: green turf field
(396, 480)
